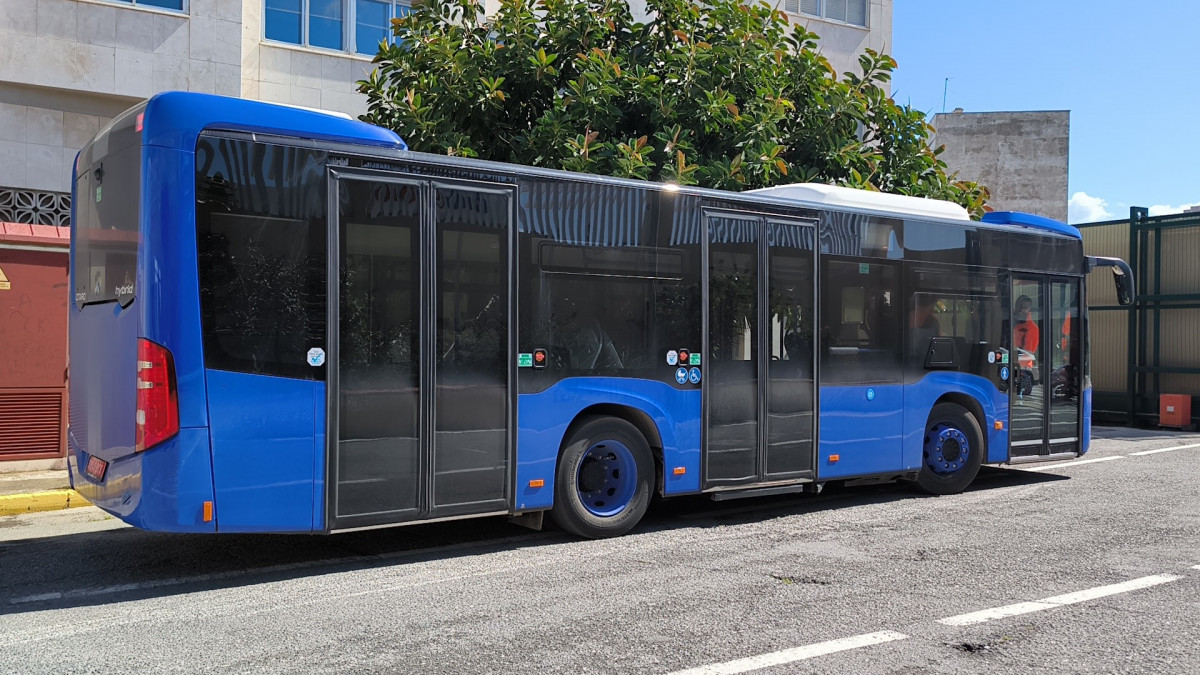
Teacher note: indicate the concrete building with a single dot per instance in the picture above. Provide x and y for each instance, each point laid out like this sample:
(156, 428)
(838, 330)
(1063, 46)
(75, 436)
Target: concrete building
(68, 66)
(1020, 156)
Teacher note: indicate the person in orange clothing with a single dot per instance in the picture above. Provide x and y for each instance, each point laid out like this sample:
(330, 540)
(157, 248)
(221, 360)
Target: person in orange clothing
(1026, 334)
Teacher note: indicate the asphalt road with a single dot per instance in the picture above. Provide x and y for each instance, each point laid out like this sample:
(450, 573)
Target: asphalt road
(1082, 568)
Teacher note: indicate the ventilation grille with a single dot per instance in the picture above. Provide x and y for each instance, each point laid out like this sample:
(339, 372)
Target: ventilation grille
(35, 207)
(31, 423)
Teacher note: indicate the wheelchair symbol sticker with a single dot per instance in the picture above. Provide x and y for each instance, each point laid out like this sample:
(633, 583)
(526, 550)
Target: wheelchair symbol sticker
(694, 376)
(681, 375)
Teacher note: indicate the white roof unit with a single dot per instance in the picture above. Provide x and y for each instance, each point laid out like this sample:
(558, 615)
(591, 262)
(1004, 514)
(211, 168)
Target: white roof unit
(853, 198)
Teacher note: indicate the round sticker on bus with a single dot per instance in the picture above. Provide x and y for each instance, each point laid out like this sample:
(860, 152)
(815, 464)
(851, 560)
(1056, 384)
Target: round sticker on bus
(681, 375)
(694, 376)
(1003, 372)
(316, 357)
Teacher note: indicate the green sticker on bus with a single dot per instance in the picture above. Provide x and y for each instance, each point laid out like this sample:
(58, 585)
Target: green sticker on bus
(525, 360)
(98, 194)
(864, 268)
(695, 359)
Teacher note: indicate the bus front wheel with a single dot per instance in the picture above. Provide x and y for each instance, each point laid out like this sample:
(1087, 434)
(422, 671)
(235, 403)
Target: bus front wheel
(953, 450)
(603, 482)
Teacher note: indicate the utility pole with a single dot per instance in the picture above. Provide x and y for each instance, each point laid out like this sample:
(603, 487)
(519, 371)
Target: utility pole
(945, 88)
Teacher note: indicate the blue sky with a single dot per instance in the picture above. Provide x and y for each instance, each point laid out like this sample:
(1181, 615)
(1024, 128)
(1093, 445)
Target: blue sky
(1128, 72)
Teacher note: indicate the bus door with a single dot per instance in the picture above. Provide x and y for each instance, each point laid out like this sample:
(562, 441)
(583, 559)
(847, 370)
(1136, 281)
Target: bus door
(1044, 359)
(419, 414)
(759, 381)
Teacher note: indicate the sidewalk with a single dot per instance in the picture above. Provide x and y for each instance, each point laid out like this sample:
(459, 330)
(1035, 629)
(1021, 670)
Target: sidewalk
(30, 491)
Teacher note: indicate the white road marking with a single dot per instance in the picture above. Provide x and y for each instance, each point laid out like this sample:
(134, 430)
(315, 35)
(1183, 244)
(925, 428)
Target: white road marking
(1057, 600)
(1060, 465)
(1155, 452)
(1196, 567)
(794, 654)
(995, 613)
(1112, 589)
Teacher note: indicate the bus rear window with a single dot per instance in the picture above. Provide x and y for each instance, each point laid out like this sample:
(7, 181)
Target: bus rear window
(105, 236)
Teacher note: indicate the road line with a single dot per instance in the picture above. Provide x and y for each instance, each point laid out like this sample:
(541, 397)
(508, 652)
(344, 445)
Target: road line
(1112, 589)
(795, 654)
(985, 615)
(1061, 465)
(1196, 567)
(1057, 600)
(1155, 452)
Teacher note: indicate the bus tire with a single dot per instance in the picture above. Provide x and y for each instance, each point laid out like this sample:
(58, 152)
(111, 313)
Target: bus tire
(953, 450)
(602, 485)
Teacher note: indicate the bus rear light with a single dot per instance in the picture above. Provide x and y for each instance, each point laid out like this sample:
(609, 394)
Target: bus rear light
(157, 396)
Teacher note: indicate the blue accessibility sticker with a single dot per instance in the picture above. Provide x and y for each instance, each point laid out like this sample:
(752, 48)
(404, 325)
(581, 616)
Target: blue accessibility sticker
(870, 394)
(681, 375)
(1003, 372)
(694, 376)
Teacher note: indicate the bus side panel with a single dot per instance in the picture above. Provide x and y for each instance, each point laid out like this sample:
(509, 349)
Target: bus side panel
(162, 489)
(263, 447)
(167, 288)
(861, 424)
(920, 397)
(319, 456)
(542, 420)
(1087, 421)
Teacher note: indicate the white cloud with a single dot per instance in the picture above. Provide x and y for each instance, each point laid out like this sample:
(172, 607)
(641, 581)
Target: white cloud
(1084, 208)
(1162, 209)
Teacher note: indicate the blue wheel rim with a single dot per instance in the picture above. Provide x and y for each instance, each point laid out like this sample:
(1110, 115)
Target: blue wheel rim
(946, 449)
(606, 478)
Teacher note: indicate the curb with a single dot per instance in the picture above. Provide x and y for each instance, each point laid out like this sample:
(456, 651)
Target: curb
(47, 500)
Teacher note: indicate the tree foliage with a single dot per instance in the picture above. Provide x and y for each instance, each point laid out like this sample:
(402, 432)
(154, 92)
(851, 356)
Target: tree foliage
(724, 94)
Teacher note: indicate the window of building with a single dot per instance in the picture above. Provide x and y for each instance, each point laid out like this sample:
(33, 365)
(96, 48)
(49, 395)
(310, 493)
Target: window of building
(345, 25)
(176, 5)
(846, 11)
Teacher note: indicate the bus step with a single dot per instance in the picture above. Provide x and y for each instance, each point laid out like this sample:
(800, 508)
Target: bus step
(725, 496)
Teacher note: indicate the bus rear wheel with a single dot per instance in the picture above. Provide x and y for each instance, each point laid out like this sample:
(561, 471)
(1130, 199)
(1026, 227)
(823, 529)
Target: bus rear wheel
(602, 486)
(953, 450)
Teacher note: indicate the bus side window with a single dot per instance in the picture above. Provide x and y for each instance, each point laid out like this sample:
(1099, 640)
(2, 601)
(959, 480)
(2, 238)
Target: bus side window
(860, 326)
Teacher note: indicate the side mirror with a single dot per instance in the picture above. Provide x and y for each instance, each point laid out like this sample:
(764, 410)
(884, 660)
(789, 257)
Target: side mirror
(1122, 277)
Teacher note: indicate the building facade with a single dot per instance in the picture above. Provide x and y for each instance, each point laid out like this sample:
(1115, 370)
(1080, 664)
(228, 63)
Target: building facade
(1022, 157)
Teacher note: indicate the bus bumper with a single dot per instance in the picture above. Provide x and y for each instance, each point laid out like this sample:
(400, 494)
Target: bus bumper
(162, 489)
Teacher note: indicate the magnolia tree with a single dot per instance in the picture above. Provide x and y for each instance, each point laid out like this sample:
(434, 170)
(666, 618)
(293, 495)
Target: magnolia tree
(722, 94)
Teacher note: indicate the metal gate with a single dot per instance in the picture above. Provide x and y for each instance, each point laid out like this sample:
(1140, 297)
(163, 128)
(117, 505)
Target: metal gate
(1148, 348)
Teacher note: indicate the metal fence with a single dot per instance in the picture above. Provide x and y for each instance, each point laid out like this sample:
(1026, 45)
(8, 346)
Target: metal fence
(1153, 346)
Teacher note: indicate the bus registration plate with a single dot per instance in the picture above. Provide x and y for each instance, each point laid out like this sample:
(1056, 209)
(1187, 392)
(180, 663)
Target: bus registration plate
(96, 468)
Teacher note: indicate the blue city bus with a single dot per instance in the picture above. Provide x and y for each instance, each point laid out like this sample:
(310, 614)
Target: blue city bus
(284, 321)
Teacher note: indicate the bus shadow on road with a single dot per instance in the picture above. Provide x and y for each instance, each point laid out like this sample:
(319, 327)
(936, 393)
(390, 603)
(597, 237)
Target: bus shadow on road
(98, 568)
(702, 511)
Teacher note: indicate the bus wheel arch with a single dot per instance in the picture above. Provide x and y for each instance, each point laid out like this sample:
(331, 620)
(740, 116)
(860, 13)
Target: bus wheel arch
(954, 446)
(605, 476)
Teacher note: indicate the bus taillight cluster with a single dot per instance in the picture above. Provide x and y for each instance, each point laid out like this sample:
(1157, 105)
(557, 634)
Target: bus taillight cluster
(157, 396)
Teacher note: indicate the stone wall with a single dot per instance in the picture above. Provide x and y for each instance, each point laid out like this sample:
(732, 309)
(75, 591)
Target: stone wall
(1022, 157)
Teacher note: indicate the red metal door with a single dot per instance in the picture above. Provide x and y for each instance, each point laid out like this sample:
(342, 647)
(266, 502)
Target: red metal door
(33, 349)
